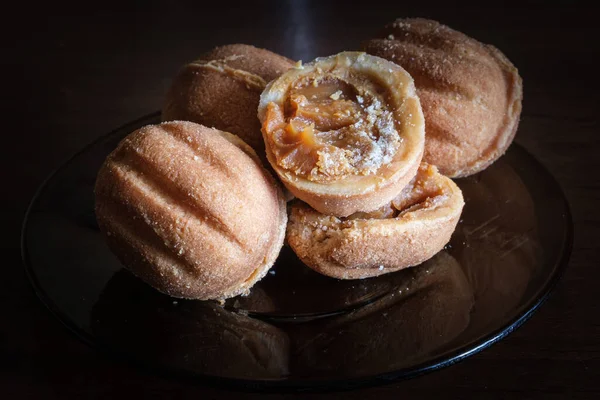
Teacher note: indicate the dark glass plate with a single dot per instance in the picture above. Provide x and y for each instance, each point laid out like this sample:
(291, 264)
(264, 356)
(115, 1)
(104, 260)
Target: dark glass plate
(298, 329)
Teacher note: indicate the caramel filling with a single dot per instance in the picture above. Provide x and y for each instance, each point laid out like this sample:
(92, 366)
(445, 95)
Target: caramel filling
(332, 127)
(423, 191)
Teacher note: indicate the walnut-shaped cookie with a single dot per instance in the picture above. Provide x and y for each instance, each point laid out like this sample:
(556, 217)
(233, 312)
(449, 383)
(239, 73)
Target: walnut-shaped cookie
(411, 229)
(190, 210)
(470, 92)
(222, 88)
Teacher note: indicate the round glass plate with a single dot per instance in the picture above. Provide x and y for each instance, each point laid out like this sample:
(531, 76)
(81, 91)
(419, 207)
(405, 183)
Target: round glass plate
(298, 329)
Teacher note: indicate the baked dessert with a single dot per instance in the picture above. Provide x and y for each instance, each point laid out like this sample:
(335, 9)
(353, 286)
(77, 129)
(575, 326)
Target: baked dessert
(428, 307)
(190, 210)
(222, 88)
(344, 133)
(470, 92)
(412, 228)
(201, 336)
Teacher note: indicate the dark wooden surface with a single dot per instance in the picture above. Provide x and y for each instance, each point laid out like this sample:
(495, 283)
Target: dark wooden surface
(70, 76)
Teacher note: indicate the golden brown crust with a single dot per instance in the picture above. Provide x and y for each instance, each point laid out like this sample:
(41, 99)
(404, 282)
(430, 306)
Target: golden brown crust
(364, 246)
(345, 195)
(222, 88)
(190, 210)
(470, 92)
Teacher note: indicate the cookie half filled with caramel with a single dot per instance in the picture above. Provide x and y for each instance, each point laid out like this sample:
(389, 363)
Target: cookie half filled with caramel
(470, 92)
(344, 133)
(405, 232)
(190, 210)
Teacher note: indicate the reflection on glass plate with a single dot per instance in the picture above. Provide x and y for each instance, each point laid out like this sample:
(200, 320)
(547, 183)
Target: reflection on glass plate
(298, 329)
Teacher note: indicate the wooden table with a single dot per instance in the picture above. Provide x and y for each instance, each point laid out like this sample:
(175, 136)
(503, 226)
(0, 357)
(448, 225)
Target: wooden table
(73, 76)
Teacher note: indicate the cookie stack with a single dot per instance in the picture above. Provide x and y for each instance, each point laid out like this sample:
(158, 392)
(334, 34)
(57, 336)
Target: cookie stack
(366, 142)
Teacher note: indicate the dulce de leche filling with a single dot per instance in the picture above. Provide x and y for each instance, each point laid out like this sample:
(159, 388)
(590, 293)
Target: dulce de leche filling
(332, 126)
(423, 191)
